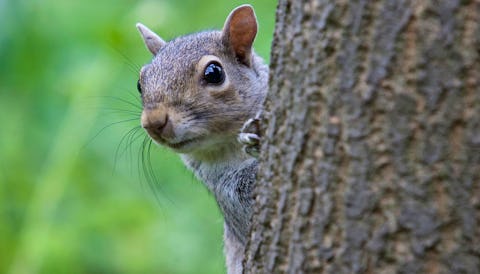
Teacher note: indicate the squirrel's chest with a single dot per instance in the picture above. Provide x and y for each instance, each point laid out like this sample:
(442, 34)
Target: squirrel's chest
(231, 183)
(210, 174)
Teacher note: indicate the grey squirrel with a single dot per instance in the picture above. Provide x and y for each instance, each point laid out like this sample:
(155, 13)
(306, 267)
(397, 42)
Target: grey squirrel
(201, 96)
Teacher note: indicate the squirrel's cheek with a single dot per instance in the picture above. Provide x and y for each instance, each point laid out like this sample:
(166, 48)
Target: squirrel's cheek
(224, 95)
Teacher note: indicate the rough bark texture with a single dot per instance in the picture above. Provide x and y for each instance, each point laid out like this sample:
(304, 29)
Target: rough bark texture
(371, 155)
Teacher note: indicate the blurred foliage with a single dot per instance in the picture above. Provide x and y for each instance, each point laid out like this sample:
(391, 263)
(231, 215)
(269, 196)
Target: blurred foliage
(74, 198)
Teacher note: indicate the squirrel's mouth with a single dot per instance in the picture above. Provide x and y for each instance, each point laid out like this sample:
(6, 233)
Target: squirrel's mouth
(182, 146)
(179, 146)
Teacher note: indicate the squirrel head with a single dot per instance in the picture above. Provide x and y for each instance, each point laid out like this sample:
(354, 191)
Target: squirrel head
(200, 88)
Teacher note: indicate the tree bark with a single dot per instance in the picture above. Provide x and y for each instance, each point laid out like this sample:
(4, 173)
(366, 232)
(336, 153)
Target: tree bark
(371, 154)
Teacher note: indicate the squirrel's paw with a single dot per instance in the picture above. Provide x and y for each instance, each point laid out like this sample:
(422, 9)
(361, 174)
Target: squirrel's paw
(249, 137)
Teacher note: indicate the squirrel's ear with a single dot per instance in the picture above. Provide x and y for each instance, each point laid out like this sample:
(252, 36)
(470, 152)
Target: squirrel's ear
(153, 42)
(239, 32)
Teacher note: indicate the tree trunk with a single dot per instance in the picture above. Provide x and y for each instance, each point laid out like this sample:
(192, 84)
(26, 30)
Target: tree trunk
(371, 155)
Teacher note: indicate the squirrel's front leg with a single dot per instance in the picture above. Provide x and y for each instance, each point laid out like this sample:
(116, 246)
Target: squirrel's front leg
(249, 137)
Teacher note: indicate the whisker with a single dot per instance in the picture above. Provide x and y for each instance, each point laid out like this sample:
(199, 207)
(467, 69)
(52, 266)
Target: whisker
(155, 187)
(139, 107)
(146, 166)
(134, 67)
(140, 157)
(119, 153)
(134, 96)
(122, 111)
(131, 139)
(104, 128)
(149, 168)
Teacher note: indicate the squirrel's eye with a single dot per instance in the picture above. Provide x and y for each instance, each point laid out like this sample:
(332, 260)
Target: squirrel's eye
(139, 87)
(213, 73)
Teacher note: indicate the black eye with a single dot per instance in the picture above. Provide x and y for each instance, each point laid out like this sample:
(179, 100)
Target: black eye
(213, 73)
(139, 87)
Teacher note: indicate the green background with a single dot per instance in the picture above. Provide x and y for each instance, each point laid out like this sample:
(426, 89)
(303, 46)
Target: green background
(74, 197)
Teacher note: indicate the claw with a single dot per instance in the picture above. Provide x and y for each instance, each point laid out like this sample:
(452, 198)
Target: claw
(251, 125)
(249, 136)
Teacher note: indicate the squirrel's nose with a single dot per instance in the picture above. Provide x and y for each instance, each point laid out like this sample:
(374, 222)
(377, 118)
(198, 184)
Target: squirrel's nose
(157, 124)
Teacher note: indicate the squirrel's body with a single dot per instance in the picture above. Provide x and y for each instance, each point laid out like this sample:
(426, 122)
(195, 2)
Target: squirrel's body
(231, 183)
(197, 93)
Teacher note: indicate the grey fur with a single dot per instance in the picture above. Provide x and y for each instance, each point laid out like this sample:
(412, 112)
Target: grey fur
(214, 116)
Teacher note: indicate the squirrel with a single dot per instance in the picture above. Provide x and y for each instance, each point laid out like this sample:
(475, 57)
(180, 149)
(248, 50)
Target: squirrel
(202, 94)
